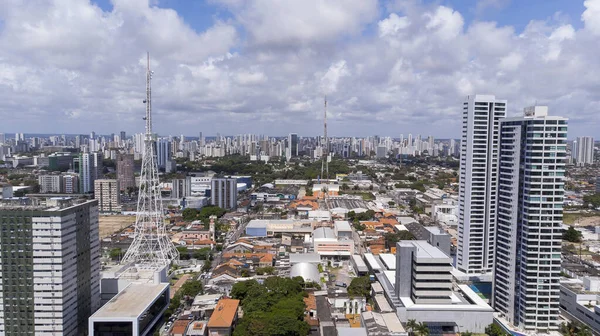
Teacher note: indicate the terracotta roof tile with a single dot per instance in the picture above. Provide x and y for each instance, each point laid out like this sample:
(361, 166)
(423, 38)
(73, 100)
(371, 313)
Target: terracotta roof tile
(224, 313)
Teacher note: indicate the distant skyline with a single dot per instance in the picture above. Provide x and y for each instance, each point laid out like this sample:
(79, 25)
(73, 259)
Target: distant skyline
(235, 67)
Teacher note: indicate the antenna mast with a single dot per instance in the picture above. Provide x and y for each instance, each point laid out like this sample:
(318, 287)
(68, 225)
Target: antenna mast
(325, 146)
(151, 247)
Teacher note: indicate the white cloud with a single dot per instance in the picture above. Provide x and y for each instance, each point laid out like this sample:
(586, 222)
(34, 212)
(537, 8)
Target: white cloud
(392, 25)
(445, 21)
(331, 79)
(265, 68)
(591, 16)
(291, 22)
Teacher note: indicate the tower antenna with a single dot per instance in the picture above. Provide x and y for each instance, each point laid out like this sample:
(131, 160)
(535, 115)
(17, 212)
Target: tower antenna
(325, 146)
(151, 247)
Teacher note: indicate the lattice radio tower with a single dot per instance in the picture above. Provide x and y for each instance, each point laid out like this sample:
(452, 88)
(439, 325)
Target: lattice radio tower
(325, 146)
(151, 247)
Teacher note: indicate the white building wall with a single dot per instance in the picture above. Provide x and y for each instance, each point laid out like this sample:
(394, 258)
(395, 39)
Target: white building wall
(531, 192)
(478, 183)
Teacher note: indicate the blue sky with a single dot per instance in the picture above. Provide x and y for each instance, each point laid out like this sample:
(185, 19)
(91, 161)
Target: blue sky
(263, 66)
(201, 14)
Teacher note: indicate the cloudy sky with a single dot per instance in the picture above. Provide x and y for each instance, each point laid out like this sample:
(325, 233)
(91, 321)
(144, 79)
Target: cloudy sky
(263, 66)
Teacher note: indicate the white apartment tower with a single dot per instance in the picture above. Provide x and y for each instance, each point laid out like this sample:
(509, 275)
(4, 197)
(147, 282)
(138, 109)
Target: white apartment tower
(50, 266)
(529, 229)
(107, 192)
(478, 183)
(224, 193)
(583, 151)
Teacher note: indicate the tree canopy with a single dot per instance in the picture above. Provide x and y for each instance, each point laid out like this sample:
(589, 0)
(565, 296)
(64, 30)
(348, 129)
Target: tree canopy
(572, 235)
(360, 287)
(594, 200)
(273, 308)
(494, 330)
(392, 238)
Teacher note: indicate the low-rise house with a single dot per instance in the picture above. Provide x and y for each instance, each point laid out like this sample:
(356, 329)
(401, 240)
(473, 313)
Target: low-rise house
(224, 317)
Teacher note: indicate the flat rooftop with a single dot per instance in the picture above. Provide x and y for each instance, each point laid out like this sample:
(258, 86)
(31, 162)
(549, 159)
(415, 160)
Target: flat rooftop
(424, 249)
(131, 302)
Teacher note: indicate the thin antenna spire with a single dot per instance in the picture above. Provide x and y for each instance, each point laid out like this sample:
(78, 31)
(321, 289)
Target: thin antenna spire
(151, 246)
(325, 146)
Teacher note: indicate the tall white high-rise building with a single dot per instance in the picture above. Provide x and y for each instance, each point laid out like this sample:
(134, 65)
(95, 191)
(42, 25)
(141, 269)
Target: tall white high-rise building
(164, 152)
(583, 151)
(224, 193)
(478, 183)
(107, 192)
(50, 266)
(529, 229)
(90, 169)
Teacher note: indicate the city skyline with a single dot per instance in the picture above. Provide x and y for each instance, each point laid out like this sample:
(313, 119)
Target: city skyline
(395, 67)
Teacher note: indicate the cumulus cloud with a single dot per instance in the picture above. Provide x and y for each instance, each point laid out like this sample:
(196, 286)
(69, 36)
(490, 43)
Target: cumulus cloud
(591, 16)
(291, 22)
(69, 66)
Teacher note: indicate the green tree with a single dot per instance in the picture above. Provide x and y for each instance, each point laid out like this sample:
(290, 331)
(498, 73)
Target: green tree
(360, 287)
(189, 214)
(115, 253)
(191, 288)
(572, 235)
(392, 238)
(594, 200)
(494, 330)
(411, 325)
(422, 329)
(207, 266)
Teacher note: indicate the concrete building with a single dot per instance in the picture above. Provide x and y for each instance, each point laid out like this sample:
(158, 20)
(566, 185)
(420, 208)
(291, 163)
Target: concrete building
(50, 183)
(439, 238)
(529, 233)
(583, 150)
(268, 228)
(133, 311)
(182, 188)
(422, 288)
(106, 191)
(70, 184)
(164, 153)
(6, 191)
(90, 168)
(580, 299)
(50, 266)
(327, 244)
(224, 193)
(423, 272)
(293, 144)
(125, 167)
(478, 183)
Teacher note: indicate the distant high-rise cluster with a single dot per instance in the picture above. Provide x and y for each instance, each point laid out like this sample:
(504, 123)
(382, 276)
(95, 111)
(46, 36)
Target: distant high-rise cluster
(583, 151)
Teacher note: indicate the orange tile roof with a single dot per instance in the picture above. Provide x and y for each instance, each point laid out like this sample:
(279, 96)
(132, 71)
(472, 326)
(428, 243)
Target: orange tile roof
(224, 313)
(310, 302)
(304, 203)
(390, 221)
(180, 326)
(377, 249)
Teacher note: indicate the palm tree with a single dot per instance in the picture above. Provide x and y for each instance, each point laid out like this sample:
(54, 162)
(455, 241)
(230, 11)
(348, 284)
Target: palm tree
(411, 325)
(584, 331)
(422, 329)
